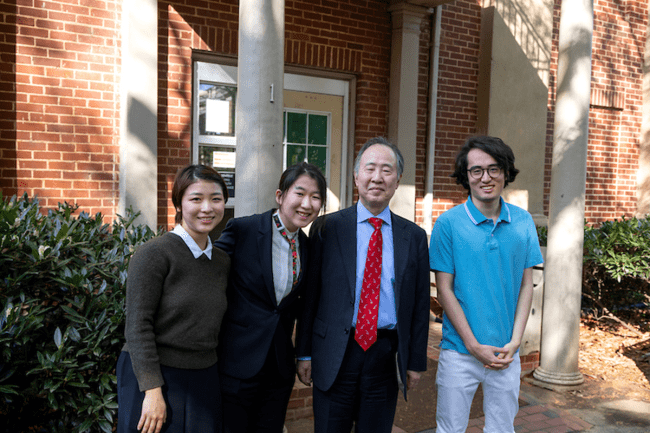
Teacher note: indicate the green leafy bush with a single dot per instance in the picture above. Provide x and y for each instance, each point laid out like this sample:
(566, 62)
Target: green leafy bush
(616, 268)
(621, 247)
(616, 272)
(62, 312)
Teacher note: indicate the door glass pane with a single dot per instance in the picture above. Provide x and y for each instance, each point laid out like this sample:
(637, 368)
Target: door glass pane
(217, 109)
(318, 157)
(295, 154)
(297, 128)
(221, 159)
(317, 129)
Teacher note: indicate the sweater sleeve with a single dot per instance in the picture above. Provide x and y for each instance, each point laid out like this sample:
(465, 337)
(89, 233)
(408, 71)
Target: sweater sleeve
(144, 285)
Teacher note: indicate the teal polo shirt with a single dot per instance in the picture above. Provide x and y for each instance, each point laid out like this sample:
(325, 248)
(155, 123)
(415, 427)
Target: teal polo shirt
(488, 262)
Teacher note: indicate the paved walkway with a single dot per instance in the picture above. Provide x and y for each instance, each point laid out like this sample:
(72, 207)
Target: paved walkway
(541, 409)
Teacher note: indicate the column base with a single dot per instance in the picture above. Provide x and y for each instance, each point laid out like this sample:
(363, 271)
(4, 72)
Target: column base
(558, 378)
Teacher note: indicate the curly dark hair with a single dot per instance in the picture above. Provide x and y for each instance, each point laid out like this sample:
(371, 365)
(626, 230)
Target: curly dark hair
(493, 146)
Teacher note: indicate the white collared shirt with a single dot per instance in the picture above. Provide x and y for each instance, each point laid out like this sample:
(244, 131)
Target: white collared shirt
(191, 243)
(282, 261)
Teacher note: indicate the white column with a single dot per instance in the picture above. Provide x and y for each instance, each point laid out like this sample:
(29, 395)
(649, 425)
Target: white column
(563, 268)
(260, 82)
(403, 99)
(138, 117)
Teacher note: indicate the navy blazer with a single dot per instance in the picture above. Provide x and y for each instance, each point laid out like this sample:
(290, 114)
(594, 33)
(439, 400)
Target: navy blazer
(254, 323)
(324, 326)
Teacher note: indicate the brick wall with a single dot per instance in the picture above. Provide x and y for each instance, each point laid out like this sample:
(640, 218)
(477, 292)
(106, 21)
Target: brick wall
(457, 96)
(59, 93)
(59, 102)
(616, 106)
(344, 36)
(615, 114)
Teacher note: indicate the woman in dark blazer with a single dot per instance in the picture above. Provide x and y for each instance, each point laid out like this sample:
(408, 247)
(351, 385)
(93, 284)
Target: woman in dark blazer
(268, 253)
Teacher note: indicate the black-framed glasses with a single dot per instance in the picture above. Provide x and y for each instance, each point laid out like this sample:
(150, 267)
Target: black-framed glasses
(477, 172)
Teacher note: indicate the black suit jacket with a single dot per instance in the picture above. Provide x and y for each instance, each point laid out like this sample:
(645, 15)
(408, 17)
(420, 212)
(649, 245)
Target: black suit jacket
(254, 323)
(324, 325)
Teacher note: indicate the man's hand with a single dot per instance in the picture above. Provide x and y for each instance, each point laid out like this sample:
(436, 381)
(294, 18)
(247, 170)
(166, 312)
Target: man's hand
(154, 411)
(304, 372)
(412, 379)
(487, 355)
(511, 348)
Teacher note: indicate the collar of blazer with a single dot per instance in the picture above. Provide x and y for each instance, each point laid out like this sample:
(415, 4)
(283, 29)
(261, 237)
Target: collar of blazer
(264, 245)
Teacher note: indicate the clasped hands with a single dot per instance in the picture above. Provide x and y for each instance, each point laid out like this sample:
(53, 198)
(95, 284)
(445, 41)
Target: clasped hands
(492, 357)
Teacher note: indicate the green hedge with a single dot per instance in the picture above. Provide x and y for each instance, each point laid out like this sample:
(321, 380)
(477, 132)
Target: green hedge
(616, 268)
(616, 272)
(62, 313)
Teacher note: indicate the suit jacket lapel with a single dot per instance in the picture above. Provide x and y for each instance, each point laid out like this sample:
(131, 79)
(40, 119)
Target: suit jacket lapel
(302, 237)
(264, 241)
(401, 239)
(347, 238)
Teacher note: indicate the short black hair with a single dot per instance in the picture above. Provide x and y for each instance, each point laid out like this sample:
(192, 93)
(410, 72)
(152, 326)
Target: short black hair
(493, 146)
(190, 174)
(291, 175)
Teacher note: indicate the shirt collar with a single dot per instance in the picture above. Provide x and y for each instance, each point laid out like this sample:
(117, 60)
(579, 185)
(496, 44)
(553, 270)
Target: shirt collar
(477, 217)
(363, 214)
(290, 235)
(191, 243)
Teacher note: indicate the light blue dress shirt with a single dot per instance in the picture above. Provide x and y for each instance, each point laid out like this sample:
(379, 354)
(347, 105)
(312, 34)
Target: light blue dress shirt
(387, 314)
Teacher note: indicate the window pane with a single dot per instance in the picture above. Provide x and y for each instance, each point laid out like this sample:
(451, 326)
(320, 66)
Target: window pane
(318, 157)
(217, 109)
(295, 154)
(317, 129)
(221, 159)
(297, 128)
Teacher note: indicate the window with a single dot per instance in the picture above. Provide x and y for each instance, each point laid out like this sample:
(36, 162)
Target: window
(214, 120)
(315, 120)
(306, 138)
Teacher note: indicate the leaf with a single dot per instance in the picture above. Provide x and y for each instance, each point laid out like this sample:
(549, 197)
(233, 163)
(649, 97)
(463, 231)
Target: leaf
(52, 399)
(74, 334)
(57, 337)
(105, 426)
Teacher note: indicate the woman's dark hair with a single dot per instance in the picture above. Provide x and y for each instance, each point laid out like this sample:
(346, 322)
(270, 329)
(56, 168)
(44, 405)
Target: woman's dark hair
(291, 174)
(493, 146)
(192, 174)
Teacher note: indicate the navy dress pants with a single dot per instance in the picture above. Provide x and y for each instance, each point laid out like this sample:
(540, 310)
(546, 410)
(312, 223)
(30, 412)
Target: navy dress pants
(257, 404)
(364, 393)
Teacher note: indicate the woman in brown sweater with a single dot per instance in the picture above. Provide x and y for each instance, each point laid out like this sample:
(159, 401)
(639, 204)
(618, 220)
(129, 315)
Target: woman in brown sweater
(175, 299)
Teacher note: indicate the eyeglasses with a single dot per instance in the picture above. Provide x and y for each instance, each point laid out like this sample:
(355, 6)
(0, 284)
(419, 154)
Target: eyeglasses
(492, 171)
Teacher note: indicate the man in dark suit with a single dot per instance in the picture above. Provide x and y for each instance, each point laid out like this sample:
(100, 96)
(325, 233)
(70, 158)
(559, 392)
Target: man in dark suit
(347, 344)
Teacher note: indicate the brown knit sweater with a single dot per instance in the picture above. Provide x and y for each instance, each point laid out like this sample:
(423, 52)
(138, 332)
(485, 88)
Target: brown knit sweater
(174, 307)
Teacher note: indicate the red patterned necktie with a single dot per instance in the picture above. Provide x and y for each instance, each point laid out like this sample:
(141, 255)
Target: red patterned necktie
(366, 330)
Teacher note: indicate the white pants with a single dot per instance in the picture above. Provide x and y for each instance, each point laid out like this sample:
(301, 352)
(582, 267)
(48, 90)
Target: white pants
(456, 381)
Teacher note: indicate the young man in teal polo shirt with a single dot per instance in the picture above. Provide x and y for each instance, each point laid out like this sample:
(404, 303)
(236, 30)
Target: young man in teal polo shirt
(483, 252)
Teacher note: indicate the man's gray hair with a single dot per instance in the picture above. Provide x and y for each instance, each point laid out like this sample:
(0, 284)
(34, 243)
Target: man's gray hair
(381, 140)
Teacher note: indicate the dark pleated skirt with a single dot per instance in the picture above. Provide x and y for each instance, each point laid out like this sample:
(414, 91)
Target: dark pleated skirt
(192, 396)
